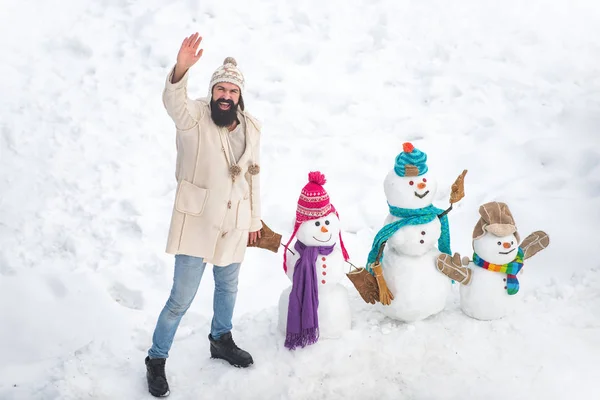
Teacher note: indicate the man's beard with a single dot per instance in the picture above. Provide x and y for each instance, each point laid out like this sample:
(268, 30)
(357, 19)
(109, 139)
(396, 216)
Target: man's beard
(223, 118)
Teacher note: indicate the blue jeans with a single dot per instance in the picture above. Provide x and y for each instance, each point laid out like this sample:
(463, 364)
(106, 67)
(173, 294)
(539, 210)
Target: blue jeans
(188, 273)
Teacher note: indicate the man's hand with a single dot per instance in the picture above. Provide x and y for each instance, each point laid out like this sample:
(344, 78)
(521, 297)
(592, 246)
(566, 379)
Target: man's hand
(253, 237)
(188, 56)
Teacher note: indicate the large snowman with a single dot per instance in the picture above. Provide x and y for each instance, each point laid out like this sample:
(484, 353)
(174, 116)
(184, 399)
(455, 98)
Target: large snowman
(490, 288)
(412, 233)
(316, 305)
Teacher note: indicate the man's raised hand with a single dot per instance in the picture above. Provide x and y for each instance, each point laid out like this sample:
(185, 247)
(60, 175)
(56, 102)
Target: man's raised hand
(188, 56)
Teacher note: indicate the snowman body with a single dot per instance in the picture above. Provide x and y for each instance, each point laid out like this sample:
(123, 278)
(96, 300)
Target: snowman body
(419, 289)
(334, 309)
(486, 297)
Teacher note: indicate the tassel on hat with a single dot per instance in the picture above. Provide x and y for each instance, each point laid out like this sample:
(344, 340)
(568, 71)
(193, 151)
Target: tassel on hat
(313, 204)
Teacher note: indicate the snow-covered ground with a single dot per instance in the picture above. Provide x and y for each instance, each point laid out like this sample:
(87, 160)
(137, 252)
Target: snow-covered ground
(509, 90)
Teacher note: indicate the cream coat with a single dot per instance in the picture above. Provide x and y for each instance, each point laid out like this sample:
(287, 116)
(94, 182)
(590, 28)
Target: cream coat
(213, 214)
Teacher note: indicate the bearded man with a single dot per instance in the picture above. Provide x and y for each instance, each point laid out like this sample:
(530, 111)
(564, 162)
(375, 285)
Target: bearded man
(217, 205)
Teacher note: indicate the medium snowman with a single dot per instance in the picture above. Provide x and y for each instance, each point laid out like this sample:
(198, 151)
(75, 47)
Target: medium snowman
(316, 305)
(490, 287)
(413, 234)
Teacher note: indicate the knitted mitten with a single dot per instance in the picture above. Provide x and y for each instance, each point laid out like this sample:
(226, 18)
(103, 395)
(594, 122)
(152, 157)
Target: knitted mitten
(534, 243)
(268, 239)
(365, 284)
(458, 188)
(453, 269)
(385, 296)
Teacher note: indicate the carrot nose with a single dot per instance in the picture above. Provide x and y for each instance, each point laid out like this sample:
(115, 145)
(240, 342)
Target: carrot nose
(323, 229)
(421, 185)
(506, 245)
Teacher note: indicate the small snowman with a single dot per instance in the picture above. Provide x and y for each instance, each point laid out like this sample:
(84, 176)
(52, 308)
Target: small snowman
(490, 287)
(414, 233)
(316, 305)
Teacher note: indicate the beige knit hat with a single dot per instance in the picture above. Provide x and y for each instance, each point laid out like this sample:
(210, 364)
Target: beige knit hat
(497, 219)
(228, 72)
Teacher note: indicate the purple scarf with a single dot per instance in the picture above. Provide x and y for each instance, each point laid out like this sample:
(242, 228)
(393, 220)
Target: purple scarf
(302, 319)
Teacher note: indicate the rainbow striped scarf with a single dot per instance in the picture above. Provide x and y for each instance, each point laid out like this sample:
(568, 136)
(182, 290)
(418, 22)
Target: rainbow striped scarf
(511, 270)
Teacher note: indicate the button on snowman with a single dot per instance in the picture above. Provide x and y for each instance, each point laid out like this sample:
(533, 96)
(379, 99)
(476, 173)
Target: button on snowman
(411, 234)
(316, 305)
(490, 288)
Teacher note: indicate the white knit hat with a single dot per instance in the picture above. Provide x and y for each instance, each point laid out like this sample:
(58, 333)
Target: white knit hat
(228, 72)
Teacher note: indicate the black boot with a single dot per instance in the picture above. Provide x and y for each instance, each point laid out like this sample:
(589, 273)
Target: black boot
(155, 374)
(226, 349)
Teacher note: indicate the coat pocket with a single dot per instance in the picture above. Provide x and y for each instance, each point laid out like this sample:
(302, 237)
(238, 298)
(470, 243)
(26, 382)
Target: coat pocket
(244, 214)
(190, 199)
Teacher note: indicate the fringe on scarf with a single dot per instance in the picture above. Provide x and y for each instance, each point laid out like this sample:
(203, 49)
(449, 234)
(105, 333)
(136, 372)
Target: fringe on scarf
(302, 339)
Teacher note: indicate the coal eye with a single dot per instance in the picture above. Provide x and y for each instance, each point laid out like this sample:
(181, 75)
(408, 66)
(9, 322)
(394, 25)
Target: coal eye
(327, 222)
(511, 242)
(499, 243)
(411, 183)
(424, 179)
(317, 223)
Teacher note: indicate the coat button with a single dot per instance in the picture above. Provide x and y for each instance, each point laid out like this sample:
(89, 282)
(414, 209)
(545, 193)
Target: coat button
(324, 273)
(423, 232)
(421, 241)
(323, 259)
(324, 266)
(505, 287)
(504, 279)
(323, 281)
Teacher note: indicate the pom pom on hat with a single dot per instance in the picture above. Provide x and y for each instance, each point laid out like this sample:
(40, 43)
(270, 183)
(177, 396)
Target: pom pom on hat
(317, 177)
(411, 162)
(408, 147)
(230, 60)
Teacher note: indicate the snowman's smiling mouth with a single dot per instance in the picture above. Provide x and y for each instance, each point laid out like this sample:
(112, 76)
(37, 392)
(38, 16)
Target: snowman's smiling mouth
(324, 241)
(508, 252)
(421, 195)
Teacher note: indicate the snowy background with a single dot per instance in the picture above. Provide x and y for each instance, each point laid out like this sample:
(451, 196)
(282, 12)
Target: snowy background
(509, 90)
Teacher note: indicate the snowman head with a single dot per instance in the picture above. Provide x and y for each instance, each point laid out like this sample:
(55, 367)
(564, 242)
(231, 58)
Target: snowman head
(317, 222)
(496, 249)
(409, 184)
(495, 237)
(323, 231)
(409, 191)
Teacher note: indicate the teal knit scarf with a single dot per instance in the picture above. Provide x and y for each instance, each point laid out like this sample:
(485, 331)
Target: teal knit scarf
(410, 217)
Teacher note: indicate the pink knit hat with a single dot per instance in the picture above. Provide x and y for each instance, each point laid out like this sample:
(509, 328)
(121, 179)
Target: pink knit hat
(313, 204)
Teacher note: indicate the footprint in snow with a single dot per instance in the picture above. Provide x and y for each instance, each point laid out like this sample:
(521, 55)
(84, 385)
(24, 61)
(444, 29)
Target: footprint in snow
(127, 297)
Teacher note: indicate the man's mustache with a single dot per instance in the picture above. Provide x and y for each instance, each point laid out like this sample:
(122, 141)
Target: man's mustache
(230, 102)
